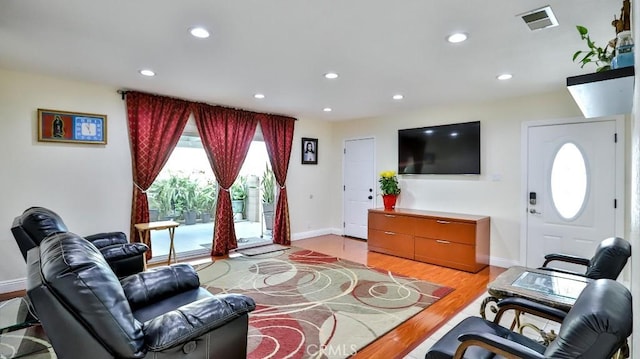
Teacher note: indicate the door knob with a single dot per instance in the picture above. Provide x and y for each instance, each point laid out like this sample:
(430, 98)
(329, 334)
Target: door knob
(533, 211)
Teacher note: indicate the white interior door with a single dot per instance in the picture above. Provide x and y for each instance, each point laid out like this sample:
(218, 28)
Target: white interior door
(572, 172)
(359, 182)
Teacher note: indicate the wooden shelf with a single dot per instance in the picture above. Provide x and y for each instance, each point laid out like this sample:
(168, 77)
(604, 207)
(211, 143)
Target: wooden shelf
(603, 93)
(459, 241)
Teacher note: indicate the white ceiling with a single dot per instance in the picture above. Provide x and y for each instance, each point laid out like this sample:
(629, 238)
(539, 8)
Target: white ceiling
(282, 48)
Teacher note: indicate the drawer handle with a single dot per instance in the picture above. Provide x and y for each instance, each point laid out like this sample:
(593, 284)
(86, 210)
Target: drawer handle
(443, 242)
(389, 233)
(443, 222)
(390, 215)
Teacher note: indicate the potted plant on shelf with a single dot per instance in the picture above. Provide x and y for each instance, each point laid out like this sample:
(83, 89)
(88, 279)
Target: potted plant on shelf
(389, 188)
(595, 55)
(238, 194)
(268, 196)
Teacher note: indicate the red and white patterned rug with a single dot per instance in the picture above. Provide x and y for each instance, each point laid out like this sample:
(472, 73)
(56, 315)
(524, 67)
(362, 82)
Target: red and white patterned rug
(311, 305)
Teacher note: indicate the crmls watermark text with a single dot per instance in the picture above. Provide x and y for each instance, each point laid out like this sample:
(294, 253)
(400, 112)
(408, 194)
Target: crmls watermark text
(331, 350)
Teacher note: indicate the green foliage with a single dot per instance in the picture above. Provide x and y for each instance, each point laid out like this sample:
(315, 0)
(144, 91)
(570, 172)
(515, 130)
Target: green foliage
(596, 55)
(389, 183)
(180, 193)
(239, 188)
(268, 185)
(185, 194)
(206, 197)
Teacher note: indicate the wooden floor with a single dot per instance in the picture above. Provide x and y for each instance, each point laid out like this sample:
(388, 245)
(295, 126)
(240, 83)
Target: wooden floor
(404, 338)
(408, 335)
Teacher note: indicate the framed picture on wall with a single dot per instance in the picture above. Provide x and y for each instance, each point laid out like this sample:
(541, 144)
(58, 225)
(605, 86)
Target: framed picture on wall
(71, 127)
(309, 151)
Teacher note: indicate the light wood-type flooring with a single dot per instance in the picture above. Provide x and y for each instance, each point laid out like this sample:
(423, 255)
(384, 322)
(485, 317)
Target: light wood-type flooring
(404, 338)
(408, 335)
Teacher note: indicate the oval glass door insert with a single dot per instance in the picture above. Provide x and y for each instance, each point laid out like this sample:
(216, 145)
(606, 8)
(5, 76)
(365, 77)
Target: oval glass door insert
(569, 181)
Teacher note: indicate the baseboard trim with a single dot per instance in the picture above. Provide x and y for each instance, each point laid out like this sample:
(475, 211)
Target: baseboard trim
(502, 262)
(13, 285)
(316, 233)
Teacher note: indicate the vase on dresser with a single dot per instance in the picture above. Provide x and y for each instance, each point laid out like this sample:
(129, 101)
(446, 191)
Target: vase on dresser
(389, 200)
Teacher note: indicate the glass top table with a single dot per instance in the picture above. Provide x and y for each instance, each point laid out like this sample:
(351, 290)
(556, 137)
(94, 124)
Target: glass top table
(555, 289)
(15, 315)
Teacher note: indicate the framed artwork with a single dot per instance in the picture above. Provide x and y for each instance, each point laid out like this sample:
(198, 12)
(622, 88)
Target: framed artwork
(73, 127)
(309, 151)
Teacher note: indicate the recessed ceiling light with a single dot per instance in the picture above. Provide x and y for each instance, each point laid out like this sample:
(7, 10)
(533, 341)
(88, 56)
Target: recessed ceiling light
(199, 32)
(331, 75)
(398, 97)
(258, 96)
(457, 37)
(504, 77)
(147, 72)
(327, 109)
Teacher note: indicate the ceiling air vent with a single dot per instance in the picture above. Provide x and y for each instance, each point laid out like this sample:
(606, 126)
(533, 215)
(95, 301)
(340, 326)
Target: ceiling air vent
(540, 18)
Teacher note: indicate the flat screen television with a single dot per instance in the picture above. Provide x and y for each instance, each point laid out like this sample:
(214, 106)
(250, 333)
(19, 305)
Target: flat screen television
(445, 149)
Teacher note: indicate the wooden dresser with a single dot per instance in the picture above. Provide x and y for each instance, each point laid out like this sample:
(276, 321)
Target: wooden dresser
(452, 240)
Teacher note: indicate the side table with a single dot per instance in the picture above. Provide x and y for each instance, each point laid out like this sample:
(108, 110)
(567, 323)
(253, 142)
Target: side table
(555, 289)
(145, 228)
(15, 314)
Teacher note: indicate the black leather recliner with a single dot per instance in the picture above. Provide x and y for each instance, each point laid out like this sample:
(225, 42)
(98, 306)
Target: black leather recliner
(597, 325)
(87, 312)
(608, 261)
(36, 223)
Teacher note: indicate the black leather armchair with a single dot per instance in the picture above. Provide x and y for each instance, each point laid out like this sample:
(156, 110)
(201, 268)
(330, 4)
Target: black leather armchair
(608, 261)
(36, 223)
(597, 326)
(87, 312)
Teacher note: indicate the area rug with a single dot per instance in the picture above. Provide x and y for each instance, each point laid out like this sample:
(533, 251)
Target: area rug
(311, 305)
(268, 248)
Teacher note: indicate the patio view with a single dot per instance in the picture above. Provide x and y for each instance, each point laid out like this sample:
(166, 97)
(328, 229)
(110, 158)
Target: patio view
(186, 191)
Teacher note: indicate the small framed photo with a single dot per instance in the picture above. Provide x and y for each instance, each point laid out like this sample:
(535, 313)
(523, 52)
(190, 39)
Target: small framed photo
(309, 151)
(73, 127)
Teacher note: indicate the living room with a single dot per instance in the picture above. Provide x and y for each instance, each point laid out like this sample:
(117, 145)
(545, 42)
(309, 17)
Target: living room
(91, 186)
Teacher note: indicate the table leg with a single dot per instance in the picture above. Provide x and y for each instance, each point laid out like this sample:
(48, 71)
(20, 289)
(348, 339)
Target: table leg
(483, 306)
(171, 248)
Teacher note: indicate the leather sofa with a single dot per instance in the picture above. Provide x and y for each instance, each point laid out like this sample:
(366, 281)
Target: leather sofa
(609, 259)
(36, 223)
(597, 326)
(87, 312)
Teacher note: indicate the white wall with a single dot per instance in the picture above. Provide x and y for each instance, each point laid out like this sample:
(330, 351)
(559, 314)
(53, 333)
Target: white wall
(88, 185)
(496, 192)
(309, 186)
(634, 236)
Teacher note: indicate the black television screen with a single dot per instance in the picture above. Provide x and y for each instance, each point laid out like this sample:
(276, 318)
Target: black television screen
(445, 149)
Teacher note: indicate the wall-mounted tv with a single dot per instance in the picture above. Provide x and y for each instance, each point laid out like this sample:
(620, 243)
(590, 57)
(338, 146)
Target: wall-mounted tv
(445, 149)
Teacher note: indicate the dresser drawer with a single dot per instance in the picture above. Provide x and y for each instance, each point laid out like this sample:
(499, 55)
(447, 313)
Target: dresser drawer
(448, 230)
(447, 254)
(388, 242)
(391, 223)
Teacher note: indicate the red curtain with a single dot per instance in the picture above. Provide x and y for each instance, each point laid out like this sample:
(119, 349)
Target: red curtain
(226, 136)
(155, 126)
(278, 136)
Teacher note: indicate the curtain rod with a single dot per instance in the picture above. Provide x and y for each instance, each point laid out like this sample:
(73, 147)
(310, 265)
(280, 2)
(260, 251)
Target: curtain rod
(123, 93)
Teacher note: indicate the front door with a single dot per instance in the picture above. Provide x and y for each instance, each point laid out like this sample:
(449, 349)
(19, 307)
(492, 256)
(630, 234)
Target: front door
(572, 176)
(359, 185)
